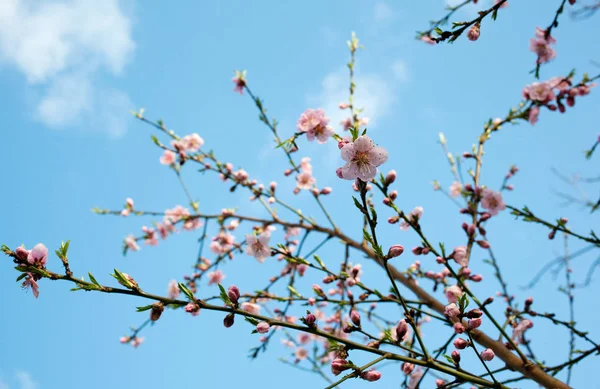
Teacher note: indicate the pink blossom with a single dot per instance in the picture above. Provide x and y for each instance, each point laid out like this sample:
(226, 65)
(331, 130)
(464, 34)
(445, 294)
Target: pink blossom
(215, 277)
(370, 375)
(192, 142)
(135, 342)
(414, 216)
(452, 311)
(474, 32)
(263, 327)
(193, 308)
(222, 243)
(173, 290)
(460, 343)
(173, 215)
(459, 328)
(519, 330)
(539, 91)
(233, 293)
(407, 368)
(131, 243)
(534, 113)
(305, 180)
(314, 123)
(427, 39)
(124, 339)
(240, 81)
(492, 201)
(258, 247)
(125, 212)
(455, 189)
(362, 158)
(301, 353)
(460, 256)
(487, 354)
(168, 158)
(339, 365)
(540, 45)
(38, 256)
(31, 283)
(251, 308)
(22, 253)
(415, 378)
(453, 293)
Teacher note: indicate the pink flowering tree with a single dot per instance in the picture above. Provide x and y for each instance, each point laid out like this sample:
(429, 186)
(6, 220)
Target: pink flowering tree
(321, 306)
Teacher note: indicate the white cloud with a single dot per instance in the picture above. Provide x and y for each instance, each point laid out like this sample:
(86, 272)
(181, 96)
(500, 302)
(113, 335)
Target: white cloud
(25, 380)
(62, 47)
(374, 93)
(382, 12)
(400, 70)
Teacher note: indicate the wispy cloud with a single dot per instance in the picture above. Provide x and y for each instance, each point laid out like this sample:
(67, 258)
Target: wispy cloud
(382, 12)
(400, 70)
(25, 381)
(62, 48)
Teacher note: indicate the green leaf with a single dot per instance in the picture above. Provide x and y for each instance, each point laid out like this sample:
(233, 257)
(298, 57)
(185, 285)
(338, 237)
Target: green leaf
(224, 296)
(294, 291)
(251, 320)
(144, 308)
(320, 262)
(21, 276)
(184, 289)
(93, 279)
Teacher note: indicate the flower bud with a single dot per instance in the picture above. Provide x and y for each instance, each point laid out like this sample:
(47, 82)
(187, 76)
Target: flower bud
(456, 356)
(401, 330)
(390, 177)
(355, 317)
(327, 190)
(487, 354)
(233, 293)
(474, 323)
(371, 375)
(228, 321)
(474, 313)
(262, 327)
(474, 32)
(22, 253)
(483, 244)
(395, 251)
(476, 278)
(460, 343)
(459, 328)
(310, 319)
(407, 368)
(339, 365)
(440, 383)
(157, 310)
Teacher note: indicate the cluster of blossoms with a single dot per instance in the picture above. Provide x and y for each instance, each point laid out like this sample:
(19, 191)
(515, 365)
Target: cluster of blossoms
(315, 124)
(305, 179)
(362, 158)
(540, 45)
(188, 144)
(552, 93)
(172, 216)
(36, 257)
(348, 123)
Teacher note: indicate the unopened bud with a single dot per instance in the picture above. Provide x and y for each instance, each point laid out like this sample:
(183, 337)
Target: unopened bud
(355, 317)
(228, 321)
(395, 251)
(390, 177)
(157, 310)
(233, 293)
(456, 356)
(460, 343)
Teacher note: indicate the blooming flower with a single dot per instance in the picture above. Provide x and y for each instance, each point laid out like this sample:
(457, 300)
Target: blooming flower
(539, 91)
(314, 123)
(534, 113)
(168, 158)
(215, 277)
(460, 256)
(451, 310)
(362, 158)
(455, 189)
(131, 244)
(540, 45)
(415, 378)
(240, 81)
(192, 142)
(193, 308)
(492, 201)
(305, 180)
(222, 243)
(519, 330)
(38, 256)
(415, 215)
(251, 308)
(258, 247)
(173, 290)
(31, 283)
(453, 293)
(301, 353)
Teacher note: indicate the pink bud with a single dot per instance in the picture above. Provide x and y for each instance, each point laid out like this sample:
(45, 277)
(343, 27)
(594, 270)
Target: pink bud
(344, 105)
(460, 343)
(310, 319)
(487, 354)
(395, 251)
(459, 328)
(390, 177)
(456, 356)
(22, 253)
(233, 293)
(339, 365)
(474, 323)
(371, 375)
(473, 33)
(474, 313)
(417, 250)
(483, 244)
(228, 321)
(476, 278)
(355, 317)
(157, 310)
(407, 368)
(401, 330)
(262, 327)
(325, 191)
(440, 383)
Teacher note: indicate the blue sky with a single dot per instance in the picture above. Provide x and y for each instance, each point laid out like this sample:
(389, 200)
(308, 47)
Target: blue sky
(72, 70)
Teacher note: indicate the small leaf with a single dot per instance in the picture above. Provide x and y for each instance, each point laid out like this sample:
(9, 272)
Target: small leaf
(144, 308)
